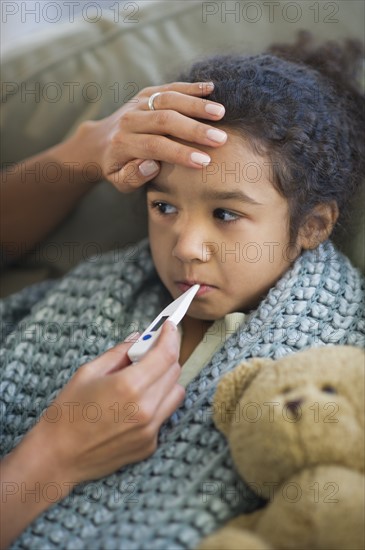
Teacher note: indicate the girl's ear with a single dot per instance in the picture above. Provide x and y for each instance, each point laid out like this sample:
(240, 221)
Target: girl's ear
(318, 225)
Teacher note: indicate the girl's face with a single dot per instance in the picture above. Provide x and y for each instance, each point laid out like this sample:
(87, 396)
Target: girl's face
(225, 227)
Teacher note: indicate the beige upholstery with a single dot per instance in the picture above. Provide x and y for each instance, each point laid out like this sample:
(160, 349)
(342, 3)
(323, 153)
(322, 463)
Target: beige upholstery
(106, 59)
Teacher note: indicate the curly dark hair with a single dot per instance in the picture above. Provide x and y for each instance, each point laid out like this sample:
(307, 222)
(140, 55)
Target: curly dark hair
(303, 108)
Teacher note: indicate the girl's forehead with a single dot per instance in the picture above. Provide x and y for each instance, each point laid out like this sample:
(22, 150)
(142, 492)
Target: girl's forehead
(233, 160)
(234, 166)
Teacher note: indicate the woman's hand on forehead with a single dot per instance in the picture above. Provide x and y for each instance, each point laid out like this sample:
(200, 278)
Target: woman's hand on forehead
(148, 129)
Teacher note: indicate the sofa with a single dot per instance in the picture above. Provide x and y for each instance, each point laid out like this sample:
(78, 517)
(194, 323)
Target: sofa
(87, 67)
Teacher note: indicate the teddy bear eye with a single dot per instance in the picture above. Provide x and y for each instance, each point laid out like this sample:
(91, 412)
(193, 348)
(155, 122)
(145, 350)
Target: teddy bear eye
(329, 389)
(287, 389)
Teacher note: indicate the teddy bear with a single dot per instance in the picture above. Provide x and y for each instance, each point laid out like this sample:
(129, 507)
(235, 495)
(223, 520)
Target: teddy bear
(295, 428)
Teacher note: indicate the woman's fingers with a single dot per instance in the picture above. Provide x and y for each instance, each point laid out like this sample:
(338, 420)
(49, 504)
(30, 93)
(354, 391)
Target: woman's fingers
(199, 89)
(173, 123)
(170, 403)
(134, 174)
(153, 380)
(130, 176)
(151, 147)
(114, 359)
(130, 402)
(195, 107)
(135, 138)
(163, 409)
(163, 356)
(165, 395)
(188, 98)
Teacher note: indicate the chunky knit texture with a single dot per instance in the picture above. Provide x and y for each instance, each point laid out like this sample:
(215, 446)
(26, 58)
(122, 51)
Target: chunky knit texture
(189, 487)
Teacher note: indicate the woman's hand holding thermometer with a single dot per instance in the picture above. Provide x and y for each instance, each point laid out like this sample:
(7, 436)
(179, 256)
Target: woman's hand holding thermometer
(173, 312)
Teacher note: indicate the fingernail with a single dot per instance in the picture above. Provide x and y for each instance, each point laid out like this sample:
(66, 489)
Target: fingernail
(213, 109)
(206, 86)
(148, 167)
(200, 158)
(172, 325)
(217, 135)
(133, 337)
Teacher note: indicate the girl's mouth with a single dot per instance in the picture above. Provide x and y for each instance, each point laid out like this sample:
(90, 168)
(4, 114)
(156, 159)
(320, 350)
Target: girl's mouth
(204, 288)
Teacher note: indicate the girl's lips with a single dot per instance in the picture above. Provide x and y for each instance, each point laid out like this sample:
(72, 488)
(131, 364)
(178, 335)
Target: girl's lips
(202, 290)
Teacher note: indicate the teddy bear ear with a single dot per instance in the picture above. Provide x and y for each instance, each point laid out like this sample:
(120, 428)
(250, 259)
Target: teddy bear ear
(230, 390)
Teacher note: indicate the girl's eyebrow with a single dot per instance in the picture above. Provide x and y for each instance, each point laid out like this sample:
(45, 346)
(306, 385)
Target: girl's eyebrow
(152, 185)
(234, 194)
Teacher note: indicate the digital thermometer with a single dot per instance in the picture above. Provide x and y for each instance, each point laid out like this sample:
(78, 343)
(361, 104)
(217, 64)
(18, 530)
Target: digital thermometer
(173, 312)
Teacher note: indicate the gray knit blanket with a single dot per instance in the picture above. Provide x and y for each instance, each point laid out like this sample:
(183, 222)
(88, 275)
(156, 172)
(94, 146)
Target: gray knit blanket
(189, 487)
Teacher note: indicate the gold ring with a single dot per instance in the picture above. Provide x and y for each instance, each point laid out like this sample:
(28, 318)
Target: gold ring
(151, 100)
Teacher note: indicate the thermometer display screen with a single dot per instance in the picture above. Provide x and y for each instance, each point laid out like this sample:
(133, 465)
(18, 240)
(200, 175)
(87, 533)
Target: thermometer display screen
(159, 323)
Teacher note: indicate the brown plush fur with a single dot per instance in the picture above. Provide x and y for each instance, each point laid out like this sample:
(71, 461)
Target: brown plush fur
(296, 432)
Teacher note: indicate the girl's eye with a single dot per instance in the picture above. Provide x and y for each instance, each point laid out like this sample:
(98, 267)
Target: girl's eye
(225, 215)
(163, 208)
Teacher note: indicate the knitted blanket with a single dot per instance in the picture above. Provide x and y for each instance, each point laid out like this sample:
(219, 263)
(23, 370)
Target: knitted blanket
(189, 487)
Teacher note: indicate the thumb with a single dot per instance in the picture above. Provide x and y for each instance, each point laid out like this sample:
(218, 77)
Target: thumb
(134, 174)
(115, 358)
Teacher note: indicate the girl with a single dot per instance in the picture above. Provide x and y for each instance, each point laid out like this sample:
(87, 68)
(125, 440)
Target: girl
(252, 228)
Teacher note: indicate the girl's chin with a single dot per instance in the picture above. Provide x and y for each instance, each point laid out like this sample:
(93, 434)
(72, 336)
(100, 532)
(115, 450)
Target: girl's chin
(204, 314)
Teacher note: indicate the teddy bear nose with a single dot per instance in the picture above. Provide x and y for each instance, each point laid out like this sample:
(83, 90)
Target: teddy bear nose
(294, 405)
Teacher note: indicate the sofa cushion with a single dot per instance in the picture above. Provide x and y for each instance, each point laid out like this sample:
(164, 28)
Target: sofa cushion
(85, 70)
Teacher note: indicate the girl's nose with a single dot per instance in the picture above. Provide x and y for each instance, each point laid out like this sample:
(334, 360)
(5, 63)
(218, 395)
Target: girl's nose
(192, 244)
